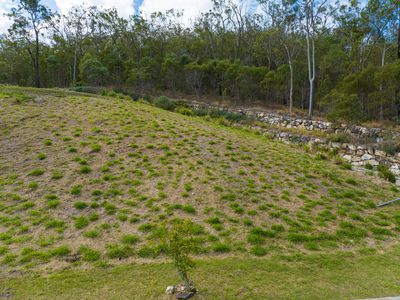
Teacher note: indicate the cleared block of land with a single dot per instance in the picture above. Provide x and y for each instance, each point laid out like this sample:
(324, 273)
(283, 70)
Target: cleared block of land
(89, 180)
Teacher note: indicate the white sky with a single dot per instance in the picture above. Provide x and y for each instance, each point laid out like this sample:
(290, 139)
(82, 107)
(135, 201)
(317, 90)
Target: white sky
(124, 7)
(5, 7)
(192, 8)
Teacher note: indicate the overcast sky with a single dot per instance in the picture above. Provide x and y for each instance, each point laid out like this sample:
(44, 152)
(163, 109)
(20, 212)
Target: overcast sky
(192, 8)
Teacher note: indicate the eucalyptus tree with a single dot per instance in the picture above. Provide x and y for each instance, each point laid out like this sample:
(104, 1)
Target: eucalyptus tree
(284, 19)
(352, 32)
(30, 18)
(380, 15)
(314, 16)
(74, 29)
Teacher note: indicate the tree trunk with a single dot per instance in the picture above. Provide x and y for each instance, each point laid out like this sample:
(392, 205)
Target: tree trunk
(381, 83)
(291, 80)
(37, 62)
(291, 88)
(75, 63)
(398, 41)
(311, 72)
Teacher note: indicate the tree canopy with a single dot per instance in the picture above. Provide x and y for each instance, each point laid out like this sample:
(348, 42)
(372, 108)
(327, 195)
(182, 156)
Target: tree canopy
(341, 58)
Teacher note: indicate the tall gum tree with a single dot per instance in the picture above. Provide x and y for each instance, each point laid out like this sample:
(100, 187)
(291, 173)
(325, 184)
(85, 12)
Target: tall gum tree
(30, 18)
(314, 16)
(284, 18)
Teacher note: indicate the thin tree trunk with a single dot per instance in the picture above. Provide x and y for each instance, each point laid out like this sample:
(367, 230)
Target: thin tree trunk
(311, 72)
(398, 41)
(381, 83)
(75, 63)
(37, 62)
(291, 80)
(291, 88)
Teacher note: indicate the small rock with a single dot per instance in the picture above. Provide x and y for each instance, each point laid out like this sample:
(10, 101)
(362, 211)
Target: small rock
(335, 145)
(395, 169)
(352, 147)
(170, 290)
(347, 157)
(373, 162)
(366, 157)
(185, 292)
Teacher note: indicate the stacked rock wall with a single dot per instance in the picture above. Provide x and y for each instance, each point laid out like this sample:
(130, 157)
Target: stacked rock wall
(286, 121)
(357, 154)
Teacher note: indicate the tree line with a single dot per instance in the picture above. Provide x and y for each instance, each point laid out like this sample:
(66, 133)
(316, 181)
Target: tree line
(342, 58)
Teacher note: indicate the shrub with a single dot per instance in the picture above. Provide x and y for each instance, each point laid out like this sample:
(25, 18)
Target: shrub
(346, 165)
(90, 89)
(180, 243)
(385, 173)
(221, 114)
(389, 145)
(184, 111)
(20, 98)
(368, 166)
(339, 138)
(390, 148)
(344, 107)
(165, 103)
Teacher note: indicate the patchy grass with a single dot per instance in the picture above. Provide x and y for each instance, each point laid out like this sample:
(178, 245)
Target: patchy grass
(101, 183)
(337, 276)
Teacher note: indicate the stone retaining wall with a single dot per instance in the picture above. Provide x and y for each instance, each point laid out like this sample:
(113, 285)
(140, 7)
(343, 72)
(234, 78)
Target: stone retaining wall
(294, 122)
(356, 154)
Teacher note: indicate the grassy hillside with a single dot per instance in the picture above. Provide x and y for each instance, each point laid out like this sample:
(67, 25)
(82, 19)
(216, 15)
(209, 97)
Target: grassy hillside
(89, 180)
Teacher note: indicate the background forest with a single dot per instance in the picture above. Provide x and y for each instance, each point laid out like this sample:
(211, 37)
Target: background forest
(341, 58)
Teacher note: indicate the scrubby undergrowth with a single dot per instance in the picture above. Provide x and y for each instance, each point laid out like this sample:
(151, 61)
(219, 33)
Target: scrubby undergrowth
(88, 178)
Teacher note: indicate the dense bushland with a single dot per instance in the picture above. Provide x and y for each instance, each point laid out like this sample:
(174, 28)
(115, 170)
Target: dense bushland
(341, 59)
